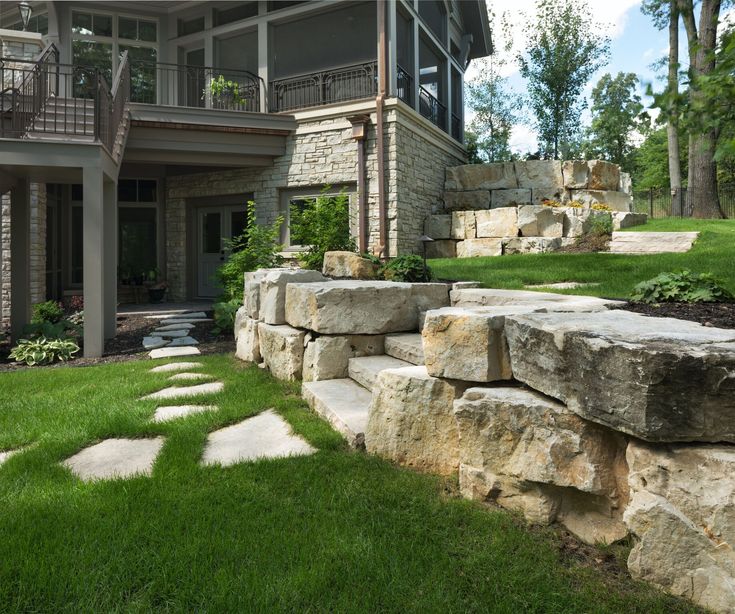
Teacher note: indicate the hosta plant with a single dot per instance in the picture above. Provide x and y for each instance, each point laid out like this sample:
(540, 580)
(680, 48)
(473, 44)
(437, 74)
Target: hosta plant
(42, 351)
(682, 287)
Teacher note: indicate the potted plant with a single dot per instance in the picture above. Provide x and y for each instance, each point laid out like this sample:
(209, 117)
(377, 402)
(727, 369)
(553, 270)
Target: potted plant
(157, 291)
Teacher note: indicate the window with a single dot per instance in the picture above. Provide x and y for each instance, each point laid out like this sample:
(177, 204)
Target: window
(137, 29)
(434, 15)
(91, 24)
(432, 81)
(275, 5)
(292, 201)
(404, 57)
(138, 251)
(37, 23)
(237, 53)
(190, 26)
(77, 244)
(236, 13)
(137, 190)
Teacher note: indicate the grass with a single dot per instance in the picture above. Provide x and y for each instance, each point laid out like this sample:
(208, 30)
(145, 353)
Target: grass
(338, 531)
(616, 274)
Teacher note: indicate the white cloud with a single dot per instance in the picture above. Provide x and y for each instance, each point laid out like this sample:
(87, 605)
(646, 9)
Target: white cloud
(523, 139)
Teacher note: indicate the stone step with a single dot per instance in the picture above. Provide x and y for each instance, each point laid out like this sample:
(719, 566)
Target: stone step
(405, 346)
(343, 403)
(652, 242)
(365, 370)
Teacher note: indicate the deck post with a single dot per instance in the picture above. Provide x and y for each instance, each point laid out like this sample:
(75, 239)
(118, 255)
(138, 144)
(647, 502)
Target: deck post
(20, 257)
(110, 261)
(93, 259)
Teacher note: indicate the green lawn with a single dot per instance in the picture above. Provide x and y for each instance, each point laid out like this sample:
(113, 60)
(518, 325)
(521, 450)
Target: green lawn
(714, 252)
(339, 531)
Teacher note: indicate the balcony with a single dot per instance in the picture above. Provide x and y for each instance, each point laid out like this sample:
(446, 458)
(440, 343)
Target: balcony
(432, 109)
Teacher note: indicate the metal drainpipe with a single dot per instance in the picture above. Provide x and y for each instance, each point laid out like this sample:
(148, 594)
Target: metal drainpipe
(382, 234)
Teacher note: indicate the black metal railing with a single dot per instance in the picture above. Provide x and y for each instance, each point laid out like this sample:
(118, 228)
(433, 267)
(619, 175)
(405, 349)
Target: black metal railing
(432, 109)
(404, 85)
(324, 87)
(661, 202)
(183, 85)
(457, 127)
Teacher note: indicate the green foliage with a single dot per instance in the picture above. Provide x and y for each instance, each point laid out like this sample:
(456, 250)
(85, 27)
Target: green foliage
(563, 50)
(683, 287)
(49, 311)
(224, 315)
(651, 167)
(600, 226)
(323, 224)
(225, 91)
(408, 268)
(43, 351)
(256, 248)
(63, 329)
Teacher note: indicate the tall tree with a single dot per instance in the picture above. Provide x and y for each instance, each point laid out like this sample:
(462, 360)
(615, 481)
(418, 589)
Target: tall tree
(616, 113)
(563, 50)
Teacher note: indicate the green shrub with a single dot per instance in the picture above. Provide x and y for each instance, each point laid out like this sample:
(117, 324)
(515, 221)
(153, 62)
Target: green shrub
(43, 351)
(408, 267)
(224, 315)
(50, 311)
(63, 329)
(323, 224)
(256, 248)
(683, 287)
(600, 226)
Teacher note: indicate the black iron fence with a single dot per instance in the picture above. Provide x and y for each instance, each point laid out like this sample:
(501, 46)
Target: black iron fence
(662, 202)
(432, 109)
(405, 86)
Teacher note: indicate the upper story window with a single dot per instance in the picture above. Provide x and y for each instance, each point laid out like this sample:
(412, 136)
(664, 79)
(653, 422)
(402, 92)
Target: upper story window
(91, 24)
(244, 10)
(434, 15)
(37, 23)
(137, 29)
(190, 26)
(275, 5)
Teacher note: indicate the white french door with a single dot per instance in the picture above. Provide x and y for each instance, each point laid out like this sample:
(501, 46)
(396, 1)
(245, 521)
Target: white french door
(215, 225)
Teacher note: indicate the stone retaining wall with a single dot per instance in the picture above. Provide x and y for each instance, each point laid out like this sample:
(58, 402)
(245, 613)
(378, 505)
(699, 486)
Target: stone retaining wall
(608, 422)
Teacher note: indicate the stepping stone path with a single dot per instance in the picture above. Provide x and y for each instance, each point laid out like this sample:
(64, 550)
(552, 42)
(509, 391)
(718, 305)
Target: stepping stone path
(174, 352)
(176, 366)
(115, 458)
(182, 341)
(174, 392)
(183, 326)
(173, 332)
(184, 315)
(152, 343)
(172, 412)
(266, 435)
(189, 376)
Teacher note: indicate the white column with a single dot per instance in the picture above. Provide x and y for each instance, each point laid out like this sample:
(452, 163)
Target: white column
(263, 64)
(416, 63)
(392, 56)
(20, 257)
(110, 258)
(93, 259)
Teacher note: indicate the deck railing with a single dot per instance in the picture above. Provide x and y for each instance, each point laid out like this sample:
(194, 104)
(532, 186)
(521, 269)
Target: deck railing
(404, 85)
(432, 109)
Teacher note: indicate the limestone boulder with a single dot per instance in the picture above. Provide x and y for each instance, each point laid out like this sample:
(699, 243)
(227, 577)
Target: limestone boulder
(576, 174)
(251, 294)
(240, 315)
(617, 201)
(468, 200)
(532, 245)
(351, 307)
(528, 220)
(539, 174)
(273, 291)
(348, 265)
(463, 225)
(497, 176)
(438, 227)
(603, 175)
(542, 194)
(441, 249)
(578, 222)
(282, 350)
(411, 421)
(471, 248)
(682, 513)
(628, 219)
(550, 222)
(247, 342)
(497, 223)
(510, 198)
(328, 356)
(427, 296)
(540, 301)
(658, 379)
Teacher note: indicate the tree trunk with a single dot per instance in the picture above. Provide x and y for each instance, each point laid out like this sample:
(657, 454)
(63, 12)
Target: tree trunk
(672, 125)
(702, 177)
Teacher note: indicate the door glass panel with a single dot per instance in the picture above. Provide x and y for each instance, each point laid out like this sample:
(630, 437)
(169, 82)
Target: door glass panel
(137, 241)
(211, 233)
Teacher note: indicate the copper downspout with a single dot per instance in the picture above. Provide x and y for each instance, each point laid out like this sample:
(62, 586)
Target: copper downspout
(359, 133)
(382, 247)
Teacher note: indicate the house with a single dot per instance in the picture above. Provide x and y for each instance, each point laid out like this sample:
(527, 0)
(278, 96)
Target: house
(133, 133)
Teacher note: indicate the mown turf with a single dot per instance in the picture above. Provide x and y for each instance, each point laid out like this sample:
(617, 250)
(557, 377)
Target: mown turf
(338, 531)
(616, 274)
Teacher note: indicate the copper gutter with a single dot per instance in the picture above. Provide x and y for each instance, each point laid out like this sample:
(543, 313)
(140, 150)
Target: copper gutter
(382, 247)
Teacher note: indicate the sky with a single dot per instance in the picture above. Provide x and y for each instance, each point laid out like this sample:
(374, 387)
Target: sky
(635, 45)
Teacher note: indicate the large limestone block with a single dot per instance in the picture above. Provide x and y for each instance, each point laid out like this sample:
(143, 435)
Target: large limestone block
(528, 220)
(282, 350)
(617, 201)
(497, 223)
(251, 294)
(628, 219)
(578, 222)
(438, 227)
(576, 174)
(273, 292)
(532, 245)
(658, 379)
(441, 249)
(550, 222)
(496, 176)
(352, 307)
(467, 201)
(247, 340)
(509, 198)
(539, 174)
(468, 344)
(411, 420)
(428, 296)
(327, 357)
(348, 265)
(540, 301)
(541, 194)
(683, 514)
(463, 225)
(471, 248)
(240, 315)
(603, 175)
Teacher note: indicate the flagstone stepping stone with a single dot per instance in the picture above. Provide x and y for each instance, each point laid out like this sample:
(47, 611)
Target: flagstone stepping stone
(172, 412)
(185, 321)
(8, 453)
(266, 435)
(115, 458)
(183, 326)
(189, 376)
(176, 366)
(170, 333)
(151, 343)
(170, 352)
(174, 392)
(177, 314)
(183, 341)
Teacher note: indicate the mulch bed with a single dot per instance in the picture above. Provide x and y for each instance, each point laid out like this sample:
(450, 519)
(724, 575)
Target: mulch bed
(718, 315)
(127, 345)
